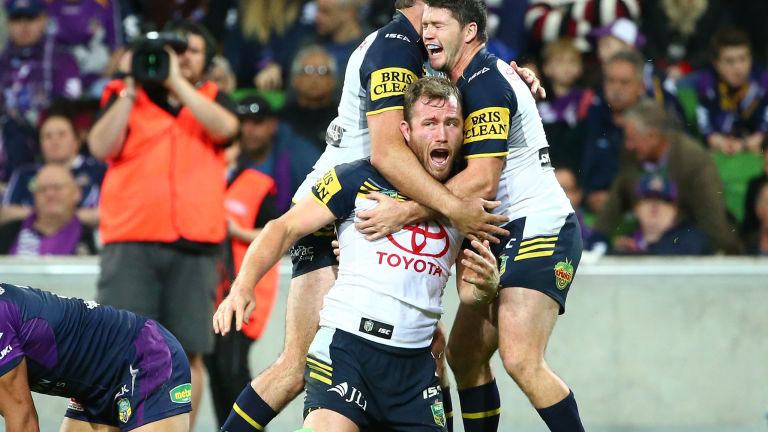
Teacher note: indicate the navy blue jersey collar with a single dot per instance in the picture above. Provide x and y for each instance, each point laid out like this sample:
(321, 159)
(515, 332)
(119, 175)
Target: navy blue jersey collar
(408, 28)
(476, 64)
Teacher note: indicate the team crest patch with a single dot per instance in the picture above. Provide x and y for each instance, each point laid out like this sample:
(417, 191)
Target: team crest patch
(503, 265)
(438, 413)
(368, 326)
(563, 274)
(181, 394)
(124, 409)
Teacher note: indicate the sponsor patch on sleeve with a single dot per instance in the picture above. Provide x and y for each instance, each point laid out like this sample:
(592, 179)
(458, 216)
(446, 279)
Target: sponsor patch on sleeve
(487, 123)
(390, 82)
(328, 186)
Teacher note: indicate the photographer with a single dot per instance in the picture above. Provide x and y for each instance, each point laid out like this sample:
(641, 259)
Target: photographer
(162, 199)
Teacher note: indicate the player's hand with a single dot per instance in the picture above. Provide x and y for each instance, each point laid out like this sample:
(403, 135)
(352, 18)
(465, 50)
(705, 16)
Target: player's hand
(336, 249)
(174, 71)
(239, 302)
(530, 77)
(481, 271)
(472, 220)
(388, 217)
(269, 78)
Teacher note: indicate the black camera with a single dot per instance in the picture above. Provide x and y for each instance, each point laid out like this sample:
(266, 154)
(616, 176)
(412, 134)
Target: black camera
(151, 63)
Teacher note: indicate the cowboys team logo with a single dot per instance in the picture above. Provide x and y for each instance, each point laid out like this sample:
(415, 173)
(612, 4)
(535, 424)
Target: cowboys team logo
(124, 409)
(423, 241)
(563, 274)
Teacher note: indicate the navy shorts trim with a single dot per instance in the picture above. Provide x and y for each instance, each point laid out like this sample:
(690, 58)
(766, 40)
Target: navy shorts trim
(544, 262)
(314, 251)
(377, 386)
(154, 383)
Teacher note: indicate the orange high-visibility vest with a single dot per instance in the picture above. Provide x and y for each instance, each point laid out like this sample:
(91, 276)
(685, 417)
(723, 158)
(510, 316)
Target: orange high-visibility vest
(242, 201)
(168, 181)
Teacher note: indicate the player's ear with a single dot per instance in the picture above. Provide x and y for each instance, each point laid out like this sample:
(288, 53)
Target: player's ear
(405, 129)
(470, 32)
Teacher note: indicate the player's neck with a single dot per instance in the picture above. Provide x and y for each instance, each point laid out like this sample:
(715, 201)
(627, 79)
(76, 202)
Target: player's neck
(413, 14)
(464, 59)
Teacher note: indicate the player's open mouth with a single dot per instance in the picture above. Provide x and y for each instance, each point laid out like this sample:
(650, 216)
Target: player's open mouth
(439, 157)
(434, 49)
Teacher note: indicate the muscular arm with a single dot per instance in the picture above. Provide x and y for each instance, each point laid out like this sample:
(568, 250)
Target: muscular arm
(392, 158)
(16, 403)
(272, 243)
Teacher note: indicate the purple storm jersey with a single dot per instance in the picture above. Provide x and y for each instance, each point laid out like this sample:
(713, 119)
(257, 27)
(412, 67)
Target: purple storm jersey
(59, 337)
(119, 368)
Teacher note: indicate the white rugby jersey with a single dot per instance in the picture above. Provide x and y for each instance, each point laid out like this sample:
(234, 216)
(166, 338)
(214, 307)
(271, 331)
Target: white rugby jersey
(390, 290)
(501, 119)
(378, 72)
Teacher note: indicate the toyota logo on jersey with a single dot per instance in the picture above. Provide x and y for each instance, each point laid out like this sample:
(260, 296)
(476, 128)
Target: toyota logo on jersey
(424, 242)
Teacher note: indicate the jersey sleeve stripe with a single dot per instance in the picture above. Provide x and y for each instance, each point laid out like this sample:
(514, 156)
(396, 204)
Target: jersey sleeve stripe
(379, 111)
(486, 155)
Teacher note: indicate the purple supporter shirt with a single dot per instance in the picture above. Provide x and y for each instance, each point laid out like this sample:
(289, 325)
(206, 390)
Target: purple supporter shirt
(90, 29)
(30, 77)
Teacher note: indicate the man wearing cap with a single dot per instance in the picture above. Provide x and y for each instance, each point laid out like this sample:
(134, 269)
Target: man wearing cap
(273, 148)
(661, 230)
(660, 146)
(33, 71)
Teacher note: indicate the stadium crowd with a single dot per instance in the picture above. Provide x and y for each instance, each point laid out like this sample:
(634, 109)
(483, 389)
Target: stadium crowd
(656, 117)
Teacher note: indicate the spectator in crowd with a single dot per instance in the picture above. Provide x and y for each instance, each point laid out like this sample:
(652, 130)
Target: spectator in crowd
(18, 146)
(570, 183)
(550, 20)
(250, 202)
(732, 105)
(53, 227)
(661, 231)
(262, 43)
(311, 105)
(506, 28)
(678, 32)
(91, 30)
(659, 145)
(338, 27)
(564, 112)
(162, 201)
(756, 241)
(273, 148)
(34, 68)
(624, 35)
(750, 222)
(221, 74)
(59, 145)
(622, 88)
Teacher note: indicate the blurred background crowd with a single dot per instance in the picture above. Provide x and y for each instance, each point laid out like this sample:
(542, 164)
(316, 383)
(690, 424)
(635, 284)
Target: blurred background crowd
(657, 110)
